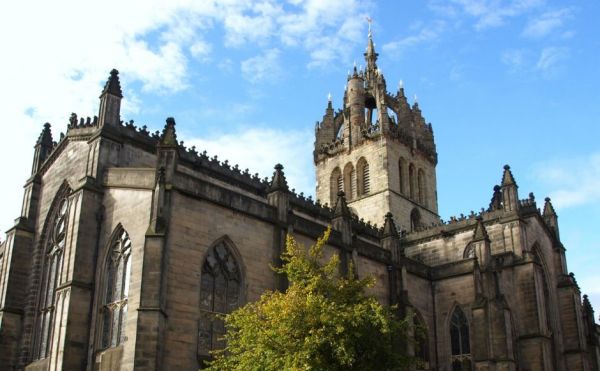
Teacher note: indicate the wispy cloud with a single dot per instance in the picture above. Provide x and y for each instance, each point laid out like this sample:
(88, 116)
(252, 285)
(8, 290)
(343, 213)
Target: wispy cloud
(486, 13)
(515, 59)
(424, 34)
(547, 23)
(550, 59)
(262, 68)
(573, 181)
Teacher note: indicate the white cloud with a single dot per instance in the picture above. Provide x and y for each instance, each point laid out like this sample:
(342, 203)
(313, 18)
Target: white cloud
(425, 34)
(262, 68)
(487, 13)
(57, 60)
(547, 22)
(514, 58)
(550, 58)
(573, 182)
(259, 149)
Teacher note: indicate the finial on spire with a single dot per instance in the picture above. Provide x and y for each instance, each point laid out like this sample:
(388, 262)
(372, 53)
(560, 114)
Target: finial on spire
(416, 99)
(400, 84)
(168, 137)
(369, 21)
(278, 181)
(329, 97)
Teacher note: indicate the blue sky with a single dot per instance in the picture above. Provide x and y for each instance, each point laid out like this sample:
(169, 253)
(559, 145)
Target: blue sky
(501, 82)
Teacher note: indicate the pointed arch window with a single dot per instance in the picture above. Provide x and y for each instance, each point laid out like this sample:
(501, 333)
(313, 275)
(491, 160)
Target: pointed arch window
(349, 181)
(116, 292)
(421, 187)
(460, 342)
(412, 181)
(401, 175)
(415, 220)
(51, 267)
(336, 185)
(364, 178)
(220, 293)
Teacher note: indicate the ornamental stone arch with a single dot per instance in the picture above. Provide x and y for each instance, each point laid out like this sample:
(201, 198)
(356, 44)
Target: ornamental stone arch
(47, 270)
(458, 329)
(222, 290)
(363, 181)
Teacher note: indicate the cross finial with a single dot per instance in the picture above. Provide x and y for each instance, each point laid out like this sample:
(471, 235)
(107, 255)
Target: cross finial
(369, 21)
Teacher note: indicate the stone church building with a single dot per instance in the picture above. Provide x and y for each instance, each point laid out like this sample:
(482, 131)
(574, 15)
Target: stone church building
(128, 244)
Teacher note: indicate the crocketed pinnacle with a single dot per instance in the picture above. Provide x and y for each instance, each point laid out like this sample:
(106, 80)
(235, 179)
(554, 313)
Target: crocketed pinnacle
(278, 182)
(169, 137)
(113, 86)
(507, 177)
(548, 208)
(45, 138)
(341, 207)
(389, 228)
(480, 231)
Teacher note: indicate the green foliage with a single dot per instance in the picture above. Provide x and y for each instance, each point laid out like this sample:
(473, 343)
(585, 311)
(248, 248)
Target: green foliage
(324, 321)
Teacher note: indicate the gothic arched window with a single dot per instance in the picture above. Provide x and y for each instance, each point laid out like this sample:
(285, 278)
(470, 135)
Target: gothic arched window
(421, 187)
(53, 257)
(114, 301)
(336, 185)
(412, 181)
(220, 293)
(401, 175)
(349, 181)
(364, 178)
(415, 220)
(459, 342)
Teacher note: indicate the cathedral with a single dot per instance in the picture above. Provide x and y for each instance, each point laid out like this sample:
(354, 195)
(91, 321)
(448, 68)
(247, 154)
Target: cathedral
(128, 245)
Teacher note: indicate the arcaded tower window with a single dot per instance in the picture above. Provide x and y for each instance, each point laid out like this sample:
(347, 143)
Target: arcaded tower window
(118, 273)
(459, 340)
(336, 185)
(53, 248)
(364, 178)
(220, 293)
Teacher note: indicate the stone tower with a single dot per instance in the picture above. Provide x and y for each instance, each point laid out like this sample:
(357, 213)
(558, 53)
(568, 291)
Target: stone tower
(379, 151)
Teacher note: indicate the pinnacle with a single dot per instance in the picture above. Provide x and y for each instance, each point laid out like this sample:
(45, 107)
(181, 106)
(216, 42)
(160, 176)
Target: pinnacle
(113, 86)
(169, 137)
(341, 208)
(548, 208)
(507, 177)
(480, 231)
(389, 228)
(45, 138)
(278, 182)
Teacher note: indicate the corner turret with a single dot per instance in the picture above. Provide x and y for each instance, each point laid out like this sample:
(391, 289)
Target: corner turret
(550, 217)
(43, 147)
(510, 195)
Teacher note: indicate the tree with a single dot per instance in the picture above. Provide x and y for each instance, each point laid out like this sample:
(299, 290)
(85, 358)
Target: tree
(323, 321)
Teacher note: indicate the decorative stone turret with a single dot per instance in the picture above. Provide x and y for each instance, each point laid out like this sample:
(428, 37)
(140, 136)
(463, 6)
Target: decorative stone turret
(278, 193)
(550, 217)
(390, 239)
(110, 101)
(43, 147)
(510, 195)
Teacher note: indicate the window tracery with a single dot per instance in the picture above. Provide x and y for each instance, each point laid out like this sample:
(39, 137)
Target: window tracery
(116, 293)
(460, 343)
(220, 293)
(53, 257)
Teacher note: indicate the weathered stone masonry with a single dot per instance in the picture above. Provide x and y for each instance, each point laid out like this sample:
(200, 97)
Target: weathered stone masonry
(129, 243)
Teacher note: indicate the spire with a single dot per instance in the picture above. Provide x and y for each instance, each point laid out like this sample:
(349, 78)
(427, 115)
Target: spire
(389, 228)
(278, 182)
(480, 231)
(110, 101)
(549, 211)
(507, 177)
(550, 217)
(43, 147)
(510, 195)
(370, 54)
(168, 137)
(45, 138)
(341, 207)
(113, 86)
(496, 202)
